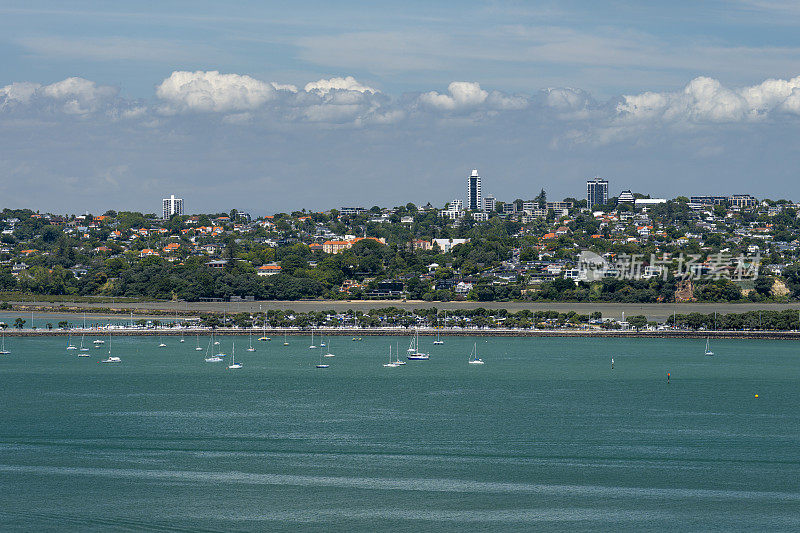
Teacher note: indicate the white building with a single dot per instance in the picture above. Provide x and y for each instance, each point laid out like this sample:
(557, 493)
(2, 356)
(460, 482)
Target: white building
(445, 245)
(172, 206)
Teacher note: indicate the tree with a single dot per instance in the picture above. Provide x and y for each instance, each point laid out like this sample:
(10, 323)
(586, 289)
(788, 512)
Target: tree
(638, 321)
(18, 323)
(541, 199)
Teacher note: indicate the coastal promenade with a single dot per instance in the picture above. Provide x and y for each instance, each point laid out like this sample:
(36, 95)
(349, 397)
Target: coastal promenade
(356, 333)
(654, 312)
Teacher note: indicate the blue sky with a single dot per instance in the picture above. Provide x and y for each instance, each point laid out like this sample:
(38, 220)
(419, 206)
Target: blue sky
(278, 106)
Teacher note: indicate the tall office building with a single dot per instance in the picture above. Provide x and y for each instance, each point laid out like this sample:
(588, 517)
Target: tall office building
(474, 192)
(172, 206)
(596, 192)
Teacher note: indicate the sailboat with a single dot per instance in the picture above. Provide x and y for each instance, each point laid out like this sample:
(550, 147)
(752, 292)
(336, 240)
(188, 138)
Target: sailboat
(322, 344)
(110, 358)
(413, 350)
(312, 347)
(199, 348)
(161, 342)
(250, 348)
(234, 365)
(708, 349)
(438, 340)
(211, 358)
(321, 364)
(397, 360)
(329, 354)
(285, 342)
(83, 348)
(473, 356)
(70, 346)
(3, 350)
(390, 364)
(176, 321)
(264, 334)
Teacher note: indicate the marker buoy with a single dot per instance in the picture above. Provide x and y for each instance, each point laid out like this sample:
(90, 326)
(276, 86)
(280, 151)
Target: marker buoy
(756, 395)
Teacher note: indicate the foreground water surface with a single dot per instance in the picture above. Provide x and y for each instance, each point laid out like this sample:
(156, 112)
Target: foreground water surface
(544, 436)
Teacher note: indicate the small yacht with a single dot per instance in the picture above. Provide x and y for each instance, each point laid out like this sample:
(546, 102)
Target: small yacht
(321, 364)
(199, 348)
(312, 347)
(234, 365)
(390, 364)
(285, 342)
(70, 346)
(111, 358)
(98, 341)
(328, 354)
(397, 360)
(161, 342)
(264, 334)
(413, 350)
(3, 350)
(708, 349)
(473, 356)
(211, 358)
(250, 348)
(438, 339)
(83, 348)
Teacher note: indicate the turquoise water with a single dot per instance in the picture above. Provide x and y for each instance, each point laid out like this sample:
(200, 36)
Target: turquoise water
(544, 436)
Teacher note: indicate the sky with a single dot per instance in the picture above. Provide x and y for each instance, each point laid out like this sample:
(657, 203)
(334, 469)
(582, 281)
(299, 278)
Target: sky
(278, 106)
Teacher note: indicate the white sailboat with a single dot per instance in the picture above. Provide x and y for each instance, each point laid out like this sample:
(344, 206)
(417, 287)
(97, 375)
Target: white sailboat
(211, 358)
(285, 342)
(161, 342)
(397, 359)
(110, 358)
(329, 354)
(473, 356)
(390, 364)
(438, 340)
(70, 346)
(413, 350)
(3, 350)
(708, 349)
(250, 348)
(176, 321)
(198, 348)
(83, 348)
(312, 347)
(234, 365)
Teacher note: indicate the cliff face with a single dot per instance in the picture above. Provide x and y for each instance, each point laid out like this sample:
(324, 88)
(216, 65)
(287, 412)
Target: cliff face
(685, 291)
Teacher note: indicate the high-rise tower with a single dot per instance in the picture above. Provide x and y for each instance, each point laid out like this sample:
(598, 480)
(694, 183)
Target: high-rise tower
(474, 192)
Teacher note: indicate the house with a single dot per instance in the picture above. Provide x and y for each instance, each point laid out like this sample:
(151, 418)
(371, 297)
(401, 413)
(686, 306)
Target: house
(445, 245)
(269, 269)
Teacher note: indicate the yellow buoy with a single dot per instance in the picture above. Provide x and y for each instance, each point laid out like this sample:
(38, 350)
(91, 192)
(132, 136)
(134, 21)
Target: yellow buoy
(756, 395)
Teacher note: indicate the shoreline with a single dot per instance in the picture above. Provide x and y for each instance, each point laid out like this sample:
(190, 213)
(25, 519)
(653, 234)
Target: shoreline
(428, 332)
(657, 312)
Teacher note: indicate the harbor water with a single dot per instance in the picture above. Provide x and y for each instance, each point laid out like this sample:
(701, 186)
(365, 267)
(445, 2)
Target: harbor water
(546, 435)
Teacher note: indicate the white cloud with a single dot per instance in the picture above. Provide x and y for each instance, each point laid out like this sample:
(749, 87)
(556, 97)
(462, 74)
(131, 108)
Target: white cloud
(75, 96)
(462, 94)
(212, 91)
(707, 100)
(566, 98)
(284, 87)
(467, 95)
(349, 83)
(19, 92)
